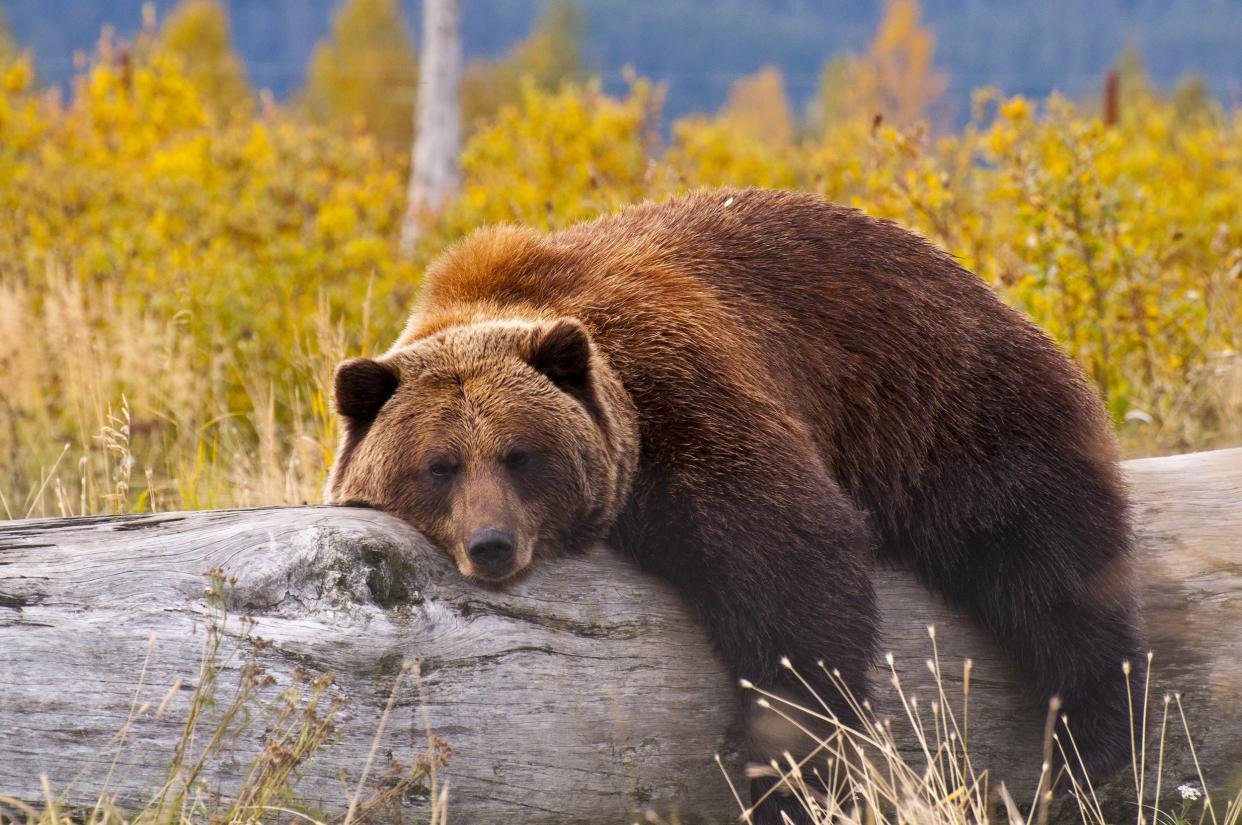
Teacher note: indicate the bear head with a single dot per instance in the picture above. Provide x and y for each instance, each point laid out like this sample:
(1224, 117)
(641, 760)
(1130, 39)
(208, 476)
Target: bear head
(502, 441)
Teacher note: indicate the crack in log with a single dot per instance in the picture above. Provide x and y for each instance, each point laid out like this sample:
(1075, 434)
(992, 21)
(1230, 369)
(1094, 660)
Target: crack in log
(16, 602)
(431, 665)
(145, 523)
(17, 547)
(469, 608)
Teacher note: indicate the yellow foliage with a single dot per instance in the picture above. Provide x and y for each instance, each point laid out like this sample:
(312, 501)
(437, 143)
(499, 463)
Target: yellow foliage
(175, 287)
(759, 108)
(714, 152)
(901, 56)
(198, 33)
(895, 80)
(8, 48)
(161, 256)
(559, 157)
(367, 70)
(548, 57)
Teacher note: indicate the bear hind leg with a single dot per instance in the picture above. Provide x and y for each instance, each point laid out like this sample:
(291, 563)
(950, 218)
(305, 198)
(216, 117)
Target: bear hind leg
(1051, 580)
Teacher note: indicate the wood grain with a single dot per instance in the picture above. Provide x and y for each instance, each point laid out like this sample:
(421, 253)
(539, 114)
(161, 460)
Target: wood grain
(585, 693)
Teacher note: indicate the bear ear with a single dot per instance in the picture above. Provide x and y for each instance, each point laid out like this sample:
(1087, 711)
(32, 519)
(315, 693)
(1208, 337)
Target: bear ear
(562, 351)
(361, 387)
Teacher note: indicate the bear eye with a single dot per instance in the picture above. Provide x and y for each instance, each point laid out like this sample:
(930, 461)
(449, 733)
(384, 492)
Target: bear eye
(441, 469)
(517, 458)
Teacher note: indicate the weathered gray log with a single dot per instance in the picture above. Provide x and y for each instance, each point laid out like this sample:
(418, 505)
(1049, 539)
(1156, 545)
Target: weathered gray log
(586, 693)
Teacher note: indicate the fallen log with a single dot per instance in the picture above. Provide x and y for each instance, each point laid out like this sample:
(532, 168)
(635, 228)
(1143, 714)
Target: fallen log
(586, 693)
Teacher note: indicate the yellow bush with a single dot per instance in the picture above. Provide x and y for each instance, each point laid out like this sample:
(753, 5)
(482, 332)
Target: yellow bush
(198, 33)
(220, 249)
(176, 286)
(557, 158)
(367, 71)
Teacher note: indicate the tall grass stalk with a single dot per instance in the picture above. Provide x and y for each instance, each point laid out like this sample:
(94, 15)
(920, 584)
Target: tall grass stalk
(940, 784)
(106, 409)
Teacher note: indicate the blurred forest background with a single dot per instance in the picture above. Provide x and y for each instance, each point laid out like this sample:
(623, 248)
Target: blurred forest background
(1025, 48)
(200, 203)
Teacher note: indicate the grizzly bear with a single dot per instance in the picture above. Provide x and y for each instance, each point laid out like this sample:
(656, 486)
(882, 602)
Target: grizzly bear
(756, 394)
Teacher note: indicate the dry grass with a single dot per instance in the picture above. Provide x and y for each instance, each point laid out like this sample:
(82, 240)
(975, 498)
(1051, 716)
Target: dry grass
(107, 409)
(941, 785)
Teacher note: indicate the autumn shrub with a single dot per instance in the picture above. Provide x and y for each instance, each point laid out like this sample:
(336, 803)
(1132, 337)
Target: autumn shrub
(1123, 242)
(559, 157)
(176, 282)
(192, 270)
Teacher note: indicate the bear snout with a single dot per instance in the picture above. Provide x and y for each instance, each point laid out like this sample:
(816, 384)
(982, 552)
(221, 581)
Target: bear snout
(491, 553)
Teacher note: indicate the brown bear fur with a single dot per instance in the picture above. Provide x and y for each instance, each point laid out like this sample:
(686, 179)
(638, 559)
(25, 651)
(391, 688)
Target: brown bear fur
(751, 393)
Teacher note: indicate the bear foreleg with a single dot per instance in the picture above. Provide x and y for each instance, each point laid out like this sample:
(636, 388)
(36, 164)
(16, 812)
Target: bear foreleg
(777, 561)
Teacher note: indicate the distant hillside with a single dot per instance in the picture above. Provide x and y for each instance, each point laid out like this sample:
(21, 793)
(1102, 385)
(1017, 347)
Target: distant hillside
(700, 47)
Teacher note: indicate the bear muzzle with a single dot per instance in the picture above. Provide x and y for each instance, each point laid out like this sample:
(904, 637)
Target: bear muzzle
(492, 553)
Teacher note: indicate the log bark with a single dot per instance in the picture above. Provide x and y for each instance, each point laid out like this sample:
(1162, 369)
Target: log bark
(586, 693)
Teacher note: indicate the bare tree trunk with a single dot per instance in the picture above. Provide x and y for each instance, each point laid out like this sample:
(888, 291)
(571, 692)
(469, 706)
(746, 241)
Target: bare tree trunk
(586, 693)
(437, 142)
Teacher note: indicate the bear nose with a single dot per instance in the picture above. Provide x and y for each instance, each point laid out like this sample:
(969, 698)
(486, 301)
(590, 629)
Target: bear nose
(490, 547)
